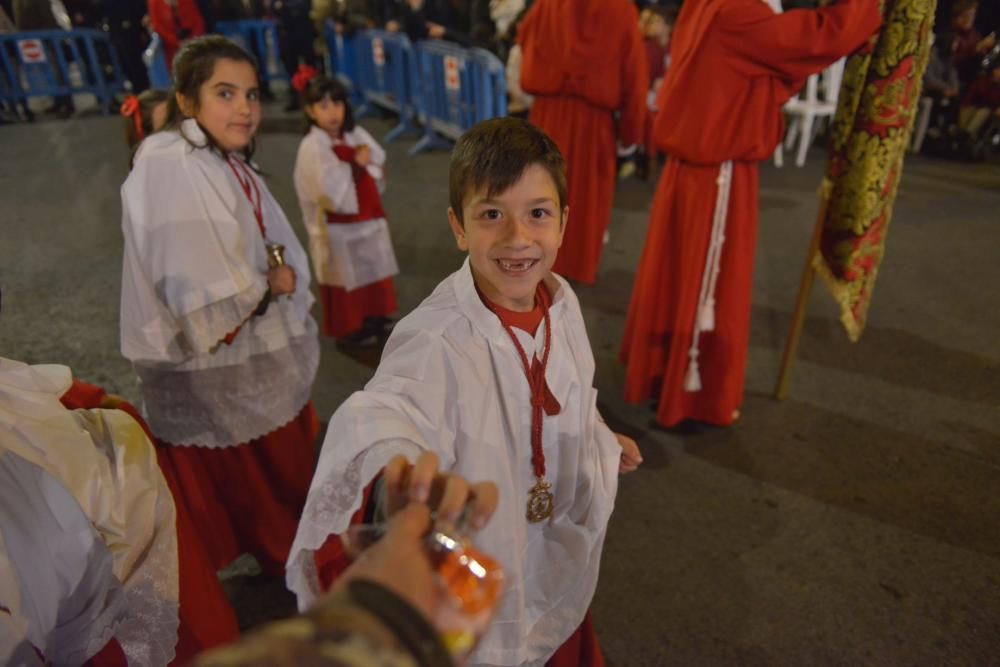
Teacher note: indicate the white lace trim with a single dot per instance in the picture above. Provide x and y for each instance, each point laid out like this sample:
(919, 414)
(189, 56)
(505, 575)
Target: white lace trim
(230, 405)
(148, 634)
(328, 512)
(205, 327)
(98, 639)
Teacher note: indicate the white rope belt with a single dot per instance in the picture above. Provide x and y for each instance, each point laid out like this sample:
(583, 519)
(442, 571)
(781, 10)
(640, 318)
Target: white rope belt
(704, 319)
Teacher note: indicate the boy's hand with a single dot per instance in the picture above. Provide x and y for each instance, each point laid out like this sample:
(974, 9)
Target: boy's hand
(631, 458)
(362, 156)
(446, 493)
(281, 280)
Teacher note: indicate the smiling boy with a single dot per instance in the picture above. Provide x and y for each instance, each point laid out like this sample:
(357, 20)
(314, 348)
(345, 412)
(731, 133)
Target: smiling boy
(455, 379)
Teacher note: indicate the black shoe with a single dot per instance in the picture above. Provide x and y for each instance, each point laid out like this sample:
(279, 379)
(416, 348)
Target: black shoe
(360, 338)
(381, 326)
(293, 104)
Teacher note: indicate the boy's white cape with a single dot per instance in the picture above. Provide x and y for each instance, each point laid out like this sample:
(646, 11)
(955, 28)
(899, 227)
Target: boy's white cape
(451, 381)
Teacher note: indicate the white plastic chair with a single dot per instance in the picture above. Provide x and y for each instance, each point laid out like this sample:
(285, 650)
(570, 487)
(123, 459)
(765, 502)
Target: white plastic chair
(819, 101)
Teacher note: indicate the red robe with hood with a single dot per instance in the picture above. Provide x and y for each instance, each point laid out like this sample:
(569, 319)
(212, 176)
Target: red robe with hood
(734, 65)
(583, 60)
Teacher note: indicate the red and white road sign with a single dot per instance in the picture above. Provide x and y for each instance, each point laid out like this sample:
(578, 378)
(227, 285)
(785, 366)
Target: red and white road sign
(451, 78)
(378, 52)
(31, 50)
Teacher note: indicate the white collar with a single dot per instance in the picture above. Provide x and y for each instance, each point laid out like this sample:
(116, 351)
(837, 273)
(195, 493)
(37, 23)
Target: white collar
(483, 318)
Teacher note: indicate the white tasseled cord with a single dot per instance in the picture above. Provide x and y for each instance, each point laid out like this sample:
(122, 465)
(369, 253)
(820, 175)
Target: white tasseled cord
(704, 319)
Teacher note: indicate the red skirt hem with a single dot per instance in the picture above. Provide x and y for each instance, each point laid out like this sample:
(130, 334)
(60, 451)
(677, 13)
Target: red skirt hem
(581, 649)
(247, 498)
(344, 312)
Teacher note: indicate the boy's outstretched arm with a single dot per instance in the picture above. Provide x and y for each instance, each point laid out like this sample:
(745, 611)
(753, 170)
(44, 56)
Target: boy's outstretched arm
(631, 458)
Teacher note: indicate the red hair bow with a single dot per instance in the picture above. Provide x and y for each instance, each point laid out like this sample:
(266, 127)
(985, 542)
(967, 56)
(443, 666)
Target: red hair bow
(302, 78)
(130, 109)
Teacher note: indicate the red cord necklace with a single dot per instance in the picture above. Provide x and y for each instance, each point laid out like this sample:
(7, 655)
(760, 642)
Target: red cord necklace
(249, 185)
(540, 500)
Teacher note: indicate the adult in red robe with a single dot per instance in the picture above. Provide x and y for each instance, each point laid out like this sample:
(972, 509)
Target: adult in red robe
(734, 65)
(175, 21)
(584, 60)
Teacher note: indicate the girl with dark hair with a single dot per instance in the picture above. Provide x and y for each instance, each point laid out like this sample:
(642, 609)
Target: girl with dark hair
(144, 114)
(215, 313)
(339, 176)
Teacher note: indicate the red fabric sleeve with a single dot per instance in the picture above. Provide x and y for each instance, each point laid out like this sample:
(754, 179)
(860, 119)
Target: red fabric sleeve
(796, 43)
(190, 17)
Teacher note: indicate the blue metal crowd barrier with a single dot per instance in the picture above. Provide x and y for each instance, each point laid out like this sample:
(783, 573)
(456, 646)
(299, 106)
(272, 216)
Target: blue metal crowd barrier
(156, 64)
(385, 72)
(342, 61)
(39, 64)
(458, 88)
(261, 39)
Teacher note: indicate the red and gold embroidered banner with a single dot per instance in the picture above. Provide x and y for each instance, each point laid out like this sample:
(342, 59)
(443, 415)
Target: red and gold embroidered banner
(871, 130)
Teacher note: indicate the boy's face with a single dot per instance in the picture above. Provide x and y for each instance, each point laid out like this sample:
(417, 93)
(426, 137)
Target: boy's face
(658, 28)
(966, 19)
(512, 238)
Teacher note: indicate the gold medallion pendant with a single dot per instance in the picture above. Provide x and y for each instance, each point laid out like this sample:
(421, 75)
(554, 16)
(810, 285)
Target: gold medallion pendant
(540, 501)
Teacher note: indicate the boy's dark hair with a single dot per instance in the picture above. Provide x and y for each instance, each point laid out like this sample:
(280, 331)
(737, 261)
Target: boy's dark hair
(193, 67)
(666, 12)
(321, 86)
(962, 6)
(494, 155)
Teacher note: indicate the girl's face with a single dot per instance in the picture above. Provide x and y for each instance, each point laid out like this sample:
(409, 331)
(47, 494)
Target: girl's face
(328, 115)
(228, 105)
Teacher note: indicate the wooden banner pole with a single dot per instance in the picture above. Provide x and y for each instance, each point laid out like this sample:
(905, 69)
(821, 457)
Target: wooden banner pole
(801, 302)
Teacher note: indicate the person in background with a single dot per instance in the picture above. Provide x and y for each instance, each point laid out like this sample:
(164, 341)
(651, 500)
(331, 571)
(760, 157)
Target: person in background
(339, 175)
(981, 104)
(175, 21)
(215, 313)
(942, 86)
(9, 108)
(585, 65)
(504, 14)
(519, 102)
(687, 330)
(493, 373)
(295, 38)
(972, 46)
(123, 21)
(467, 23)
(657, 27)
(42, 15)
(144, 114)
(347, 16)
